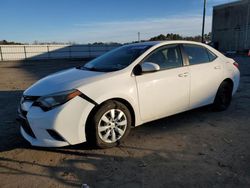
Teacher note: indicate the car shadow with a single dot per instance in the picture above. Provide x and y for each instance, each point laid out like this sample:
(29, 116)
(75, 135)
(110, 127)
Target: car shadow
(83, 164)
(128, 165)
(105, 170)
(10, 131)
(10, 94)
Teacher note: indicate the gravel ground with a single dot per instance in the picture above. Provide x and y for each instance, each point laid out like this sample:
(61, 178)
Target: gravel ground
(198, 148)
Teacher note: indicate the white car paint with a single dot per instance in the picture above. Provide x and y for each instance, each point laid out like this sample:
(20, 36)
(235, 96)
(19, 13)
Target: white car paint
(151, 96)
(164, 89)
(203, 86)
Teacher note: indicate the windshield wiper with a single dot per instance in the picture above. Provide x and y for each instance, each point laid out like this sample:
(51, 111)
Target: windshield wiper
(97, 70)
(90, 69)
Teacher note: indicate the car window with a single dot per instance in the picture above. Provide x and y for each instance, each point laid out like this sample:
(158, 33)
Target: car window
(166, 57)
(196, 54)
(211, 55)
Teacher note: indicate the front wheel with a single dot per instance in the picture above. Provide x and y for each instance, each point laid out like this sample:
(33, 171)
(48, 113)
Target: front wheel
(223, 97)
(110, 124)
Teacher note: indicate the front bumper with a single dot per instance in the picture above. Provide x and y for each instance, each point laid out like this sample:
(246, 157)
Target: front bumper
(61, 126)
(44, 142)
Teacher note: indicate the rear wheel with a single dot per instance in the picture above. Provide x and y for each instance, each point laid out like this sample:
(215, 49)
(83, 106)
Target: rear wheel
(223, 97)
(110, 124)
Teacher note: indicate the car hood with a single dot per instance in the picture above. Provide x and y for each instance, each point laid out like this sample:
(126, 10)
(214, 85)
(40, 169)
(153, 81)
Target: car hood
(62, 81)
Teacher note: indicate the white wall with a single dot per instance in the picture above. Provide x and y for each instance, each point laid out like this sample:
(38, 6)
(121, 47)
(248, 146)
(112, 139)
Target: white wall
(39, 52)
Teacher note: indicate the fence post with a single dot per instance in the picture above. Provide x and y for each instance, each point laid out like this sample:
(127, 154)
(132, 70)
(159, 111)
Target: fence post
(25, 55)
(1, 54)
(48, 51)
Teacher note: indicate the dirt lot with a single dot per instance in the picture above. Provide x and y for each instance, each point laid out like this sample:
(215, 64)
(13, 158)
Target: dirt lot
(199, 148)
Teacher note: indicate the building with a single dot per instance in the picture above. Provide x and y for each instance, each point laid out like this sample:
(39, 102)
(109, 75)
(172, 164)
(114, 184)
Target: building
(231, 26)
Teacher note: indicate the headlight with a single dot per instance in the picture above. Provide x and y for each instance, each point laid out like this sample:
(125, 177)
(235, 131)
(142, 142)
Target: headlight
(51, 101)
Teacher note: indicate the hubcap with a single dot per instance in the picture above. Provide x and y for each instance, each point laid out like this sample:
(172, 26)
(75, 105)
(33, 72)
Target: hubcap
(112, 125)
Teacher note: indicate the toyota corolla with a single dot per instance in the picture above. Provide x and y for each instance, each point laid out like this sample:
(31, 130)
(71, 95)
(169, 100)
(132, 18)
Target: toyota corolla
(102, 100)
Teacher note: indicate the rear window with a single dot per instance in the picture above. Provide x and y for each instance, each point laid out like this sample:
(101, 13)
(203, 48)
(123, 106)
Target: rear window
(196, 54)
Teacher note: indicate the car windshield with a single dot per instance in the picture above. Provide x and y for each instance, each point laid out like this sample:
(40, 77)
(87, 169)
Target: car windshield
(116, 59)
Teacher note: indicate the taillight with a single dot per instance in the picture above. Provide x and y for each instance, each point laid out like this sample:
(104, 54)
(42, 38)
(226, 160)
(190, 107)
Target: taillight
(236, 65)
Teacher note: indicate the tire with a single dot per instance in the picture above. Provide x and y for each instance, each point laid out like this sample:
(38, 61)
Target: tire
(109, 125)
(223, 97)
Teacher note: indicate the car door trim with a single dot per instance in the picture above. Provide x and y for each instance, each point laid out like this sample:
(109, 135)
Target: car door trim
(184, 56)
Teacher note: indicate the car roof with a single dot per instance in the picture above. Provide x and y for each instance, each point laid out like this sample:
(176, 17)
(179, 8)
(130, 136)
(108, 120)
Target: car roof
(160, 43)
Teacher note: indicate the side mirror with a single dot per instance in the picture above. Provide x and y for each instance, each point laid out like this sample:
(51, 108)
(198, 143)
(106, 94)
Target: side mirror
(149, 67)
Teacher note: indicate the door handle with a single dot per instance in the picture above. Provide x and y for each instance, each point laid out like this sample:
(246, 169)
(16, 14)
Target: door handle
(183, 74)
(217, 67)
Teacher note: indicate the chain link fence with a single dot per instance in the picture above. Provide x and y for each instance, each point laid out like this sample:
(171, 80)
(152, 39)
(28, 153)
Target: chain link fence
(41, 52)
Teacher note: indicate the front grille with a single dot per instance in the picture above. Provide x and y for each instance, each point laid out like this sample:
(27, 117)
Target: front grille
(26, 127)
(22, 119)
(30, 99)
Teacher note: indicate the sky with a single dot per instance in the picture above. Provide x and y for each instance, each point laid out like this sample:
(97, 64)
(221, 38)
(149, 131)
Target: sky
(87, 21)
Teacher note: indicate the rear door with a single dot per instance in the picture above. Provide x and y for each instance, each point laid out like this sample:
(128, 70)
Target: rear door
(206, 72)
(164, 92)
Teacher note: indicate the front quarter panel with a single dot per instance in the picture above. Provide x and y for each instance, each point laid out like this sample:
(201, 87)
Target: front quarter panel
(118, 85)
(68, 120)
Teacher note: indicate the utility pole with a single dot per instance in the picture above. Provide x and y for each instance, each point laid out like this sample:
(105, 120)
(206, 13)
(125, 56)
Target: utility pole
(203, 22)
(139, 37)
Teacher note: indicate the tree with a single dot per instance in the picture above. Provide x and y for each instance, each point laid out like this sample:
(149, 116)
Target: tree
(159, 37)
(5, 42)
(174, 36)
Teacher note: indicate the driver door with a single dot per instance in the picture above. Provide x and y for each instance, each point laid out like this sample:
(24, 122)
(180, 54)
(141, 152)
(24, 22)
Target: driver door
(166, 91)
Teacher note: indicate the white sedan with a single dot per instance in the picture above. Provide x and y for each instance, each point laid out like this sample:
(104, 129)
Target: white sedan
(100, 101)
